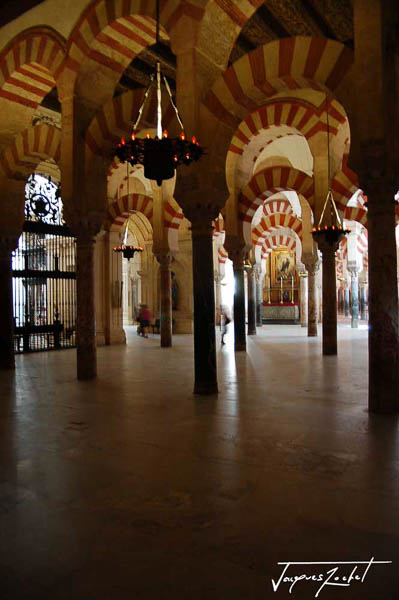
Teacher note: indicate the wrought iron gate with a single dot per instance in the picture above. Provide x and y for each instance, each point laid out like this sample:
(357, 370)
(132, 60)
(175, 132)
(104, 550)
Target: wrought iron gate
(44, 275)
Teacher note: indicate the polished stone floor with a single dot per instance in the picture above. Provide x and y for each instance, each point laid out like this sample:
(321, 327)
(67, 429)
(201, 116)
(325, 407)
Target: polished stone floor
(130, 487)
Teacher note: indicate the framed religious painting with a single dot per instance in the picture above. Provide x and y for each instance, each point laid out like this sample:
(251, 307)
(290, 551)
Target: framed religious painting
(283, 265)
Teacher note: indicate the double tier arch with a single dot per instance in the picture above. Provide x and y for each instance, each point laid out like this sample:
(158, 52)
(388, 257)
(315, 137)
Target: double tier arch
(266, 183)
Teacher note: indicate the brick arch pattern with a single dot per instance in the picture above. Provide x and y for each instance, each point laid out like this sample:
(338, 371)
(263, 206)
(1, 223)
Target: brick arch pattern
(31, 147)
(172, 218)
(280, 65)
(298, 114)
(114, 121)
(111, 33)
(120, 209)
(277, 239)
(30, 64)
(277, 206)
(268, 182)
(273, 222)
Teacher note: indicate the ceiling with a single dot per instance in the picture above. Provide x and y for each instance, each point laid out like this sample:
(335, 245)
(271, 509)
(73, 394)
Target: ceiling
(273, 19)
(11, 9)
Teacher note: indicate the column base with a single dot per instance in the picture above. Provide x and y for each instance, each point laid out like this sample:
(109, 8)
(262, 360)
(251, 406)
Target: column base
(206, 389)
(252, 332)
(7, 365)
(330, 351)
(86, 376)
(240, 347)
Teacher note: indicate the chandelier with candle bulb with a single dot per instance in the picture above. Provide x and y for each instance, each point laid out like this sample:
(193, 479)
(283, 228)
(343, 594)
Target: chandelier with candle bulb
(160, 155)
(330, 228)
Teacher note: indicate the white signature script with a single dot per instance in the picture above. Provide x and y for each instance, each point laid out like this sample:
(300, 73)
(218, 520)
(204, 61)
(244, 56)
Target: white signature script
(338, 573)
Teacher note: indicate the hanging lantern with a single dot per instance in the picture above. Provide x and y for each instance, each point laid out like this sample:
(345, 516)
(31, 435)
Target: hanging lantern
(126, 250)
(329, 228)
(161, 155)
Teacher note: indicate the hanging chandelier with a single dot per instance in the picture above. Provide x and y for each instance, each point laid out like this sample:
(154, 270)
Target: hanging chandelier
(160, 155)
(126, 250)
(330, 228)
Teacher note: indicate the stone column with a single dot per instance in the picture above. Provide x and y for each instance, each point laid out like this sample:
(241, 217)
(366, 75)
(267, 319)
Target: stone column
(329, 298)
(319, 295)
(312, 269)
(240, 342)
(303, 283)
(204, 307)
(383, 302)
(355, 298)
(375, 157)
(7, 245)
(251, 278)
(362, 293)
(165, 260)
(259, 298)
(85, 308)
(346, 292)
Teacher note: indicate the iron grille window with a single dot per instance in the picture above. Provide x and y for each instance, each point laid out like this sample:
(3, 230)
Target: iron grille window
(44, 273)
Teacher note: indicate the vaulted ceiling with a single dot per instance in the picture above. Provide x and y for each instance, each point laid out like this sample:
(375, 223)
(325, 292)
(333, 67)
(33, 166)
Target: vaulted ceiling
(273, 19)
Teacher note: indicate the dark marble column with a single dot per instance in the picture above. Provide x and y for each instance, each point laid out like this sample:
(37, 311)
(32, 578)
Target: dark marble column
(355, 298)
(312, 269)
(346, 292)
(383, 301)
(164, 260)
(251, 280)
(259, 298)
(85, 308)
(7, 245)
(362, 293)
(240, 342)
(329, 298)
(204, 308)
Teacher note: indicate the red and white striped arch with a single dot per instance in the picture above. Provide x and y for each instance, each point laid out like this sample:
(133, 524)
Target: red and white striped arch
(274, 240)
(32, 146)
(110, 33)
(266, 183)
(361, 246)
(307, 119)
(29, 66)
(271, 207)
(284, 64)
(172, 218)
(273, 222)
(120, 210)
(344, 184)
(115, 119)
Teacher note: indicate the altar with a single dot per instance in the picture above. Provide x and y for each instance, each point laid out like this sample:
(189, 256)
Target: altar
(277, 312)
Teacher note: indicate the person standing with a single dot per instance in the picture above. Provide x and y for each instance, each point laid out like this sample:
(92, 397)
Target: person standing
(145, 318)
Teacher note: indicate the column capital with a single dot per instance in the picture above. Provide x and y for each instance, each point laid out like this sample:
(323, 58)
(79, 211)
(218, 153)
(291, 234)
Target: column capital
(237, 250)
(8, 243)
(164, 258)
(86, 227)
(201, 206)
(327, 248)
(352, 268)
(312, 267)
